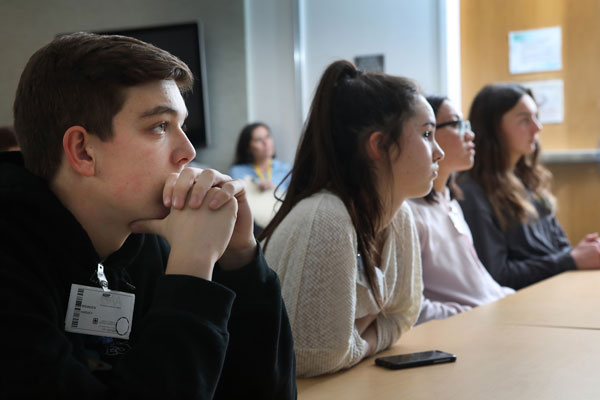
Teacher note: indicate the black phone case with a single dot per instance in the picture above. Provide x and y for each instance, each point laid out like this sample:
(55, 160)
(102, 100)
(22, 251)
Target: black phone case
(442, 358)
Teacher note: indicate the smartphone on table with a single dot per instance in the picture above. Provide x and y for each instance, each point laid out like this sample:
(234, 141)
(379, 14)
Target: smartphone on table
(415, 359)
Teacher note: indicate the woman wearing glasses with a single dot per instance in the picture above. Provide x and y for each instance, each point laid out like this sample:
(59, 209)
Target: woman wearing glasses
(507, 200)
(454, 279)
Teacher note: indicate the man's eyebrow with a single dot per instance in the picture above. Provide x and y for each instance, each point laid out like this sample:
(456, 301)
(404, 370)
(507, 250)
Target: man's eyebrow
(525, 113)
(157, 111)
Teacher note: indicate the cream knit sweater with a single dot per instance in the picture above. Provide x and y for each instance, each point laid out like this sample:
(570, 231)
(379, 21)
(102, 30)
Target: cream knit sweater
(314, 251)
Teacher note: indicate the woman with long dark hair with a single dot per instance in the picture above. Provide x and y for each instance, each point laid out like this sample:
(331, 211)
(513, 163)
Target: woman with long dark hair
(266, 177)
(255, 157)
(507, 199)
(454, 278)
(344, 242)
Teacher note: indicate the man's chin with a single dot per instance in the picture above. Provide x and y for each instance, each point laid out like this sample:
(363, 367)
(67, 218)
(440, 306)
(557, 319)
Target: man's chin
(156, 216)
(159, 213)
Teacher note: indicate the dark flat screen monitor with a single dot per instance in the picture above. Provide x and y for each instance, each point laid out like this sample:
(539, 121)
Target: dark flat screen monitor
(186, 42)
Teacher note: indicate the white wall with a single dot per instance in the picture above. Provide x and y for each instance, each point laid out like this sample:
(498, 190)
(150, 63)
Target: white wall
(410, 33)
(26, 25)
(407, 32)
(450, 50)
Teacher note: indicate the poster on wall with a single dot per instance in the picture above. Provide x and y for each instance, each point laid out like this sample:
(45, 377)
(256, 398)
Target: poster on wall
(370, 63)
(549, 94)
(535, 50)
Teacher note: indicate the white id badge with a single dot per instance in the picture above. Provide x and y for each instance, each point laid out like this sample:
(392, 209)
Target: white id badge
(93, 311)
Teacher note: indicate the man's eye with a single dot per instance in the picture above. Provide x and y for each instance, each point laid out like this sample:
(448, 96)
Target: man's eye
(427, 134)
(161, 128)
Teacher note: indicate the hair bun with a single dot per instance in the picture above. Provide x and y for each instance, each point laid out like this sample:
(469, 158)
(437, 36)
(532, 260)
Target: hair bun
(345, 71)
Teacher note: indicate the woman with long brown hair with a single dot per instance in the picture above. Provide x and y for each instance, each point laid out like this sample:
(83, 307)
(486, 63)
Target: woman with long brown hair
(343, 242)
(507, 199)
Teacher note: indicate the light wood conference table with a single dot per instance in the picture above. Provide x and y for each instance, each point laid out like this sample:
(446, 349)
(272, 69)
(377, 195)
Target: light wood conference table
(511, 349)
(570, 299)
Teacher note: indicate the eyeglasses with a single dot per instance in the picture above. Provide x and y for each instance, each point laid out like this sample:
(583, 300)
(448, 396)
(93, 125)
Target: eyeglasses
(463, 126)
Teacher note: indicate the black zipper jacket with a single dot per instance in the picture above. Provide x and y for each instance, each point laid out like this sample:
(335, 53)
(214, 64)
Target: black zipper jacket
(190, 339)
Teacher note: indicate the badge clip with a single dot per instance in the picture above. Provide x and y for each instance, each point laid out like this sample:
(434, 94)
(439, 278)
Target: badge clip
(102, 278)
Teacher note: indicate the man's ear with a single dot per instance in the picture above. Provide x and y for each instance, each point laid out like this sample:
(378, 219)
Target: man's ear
(375, 147)
(79, 152)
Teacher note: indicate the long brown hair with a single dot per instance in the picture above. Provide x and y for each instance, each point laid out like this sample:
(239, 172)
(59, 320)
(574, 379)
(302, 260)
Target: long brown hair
(348, 106)
(508, 191)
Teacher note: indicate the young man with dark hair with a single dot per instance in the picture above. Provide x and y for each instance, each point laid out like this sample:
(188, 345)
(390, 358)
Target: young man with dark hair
(124, 274)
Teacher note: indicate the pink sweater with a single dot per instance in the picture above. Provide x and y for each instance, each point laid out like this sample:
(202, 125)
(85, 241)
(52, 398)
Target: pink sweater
(454, 279)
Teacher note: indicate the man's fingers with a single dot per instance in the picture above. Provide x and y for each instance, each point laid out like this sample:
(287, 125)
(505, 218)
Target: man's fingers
(168, 189)
(202, 184)
(191, 186)
(182, 186)
(208, 179)
(233, 188)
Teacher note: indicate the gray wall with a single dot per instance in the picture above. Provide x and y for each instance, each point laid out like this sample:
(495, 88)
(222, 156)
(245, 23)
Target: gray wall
(26, 25)
(272, 93)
